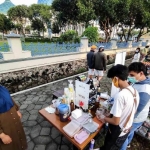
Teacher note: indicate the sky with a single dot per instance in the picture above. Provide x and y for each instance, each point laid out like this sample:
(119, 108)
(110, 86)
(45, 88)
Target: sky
(20, 2)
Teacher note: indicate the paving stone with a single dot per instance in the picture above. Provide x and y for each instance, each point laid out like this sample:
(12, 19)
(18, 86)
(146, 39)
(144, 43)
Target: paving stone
(64, 147)
(34, 112)
(42, 99)
(35, 99)
(54, 133)
(51, 146)
(28, 138)
(29, 98)
(34, 93)
(38, 107)
(30, 145)
(27, 102)
(25, 117)
(29, 123)
(45, 124)
(23, 106)
(30, 107)
(40, 103)
(31, 95)
(35, 131)
(45, 131)
(33, 117)
(45, 105)
(40, 147)
(40, 118)
(27, 130)
(42, 140)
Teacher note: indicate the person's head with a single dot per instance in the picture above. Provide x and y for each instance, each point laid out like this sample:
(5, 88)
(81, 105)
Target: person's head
(137, 72)
(118, 74)
(101, 48)
(93, 47)
(137, 50)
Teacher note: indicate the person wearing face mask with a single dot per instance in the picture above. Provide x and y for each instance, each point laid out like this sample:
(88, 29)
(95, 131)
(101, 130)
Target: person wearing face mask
(137, 55)
(137, 76)
(122, 111)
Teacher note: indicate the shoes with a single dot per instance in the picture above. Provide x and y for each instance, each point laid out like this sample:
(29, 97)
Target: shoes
(128, 146)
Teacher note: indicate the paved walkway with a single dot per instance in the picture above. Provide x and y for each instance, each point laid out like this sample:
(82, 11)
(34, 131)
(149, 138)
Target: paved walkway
(40, 134)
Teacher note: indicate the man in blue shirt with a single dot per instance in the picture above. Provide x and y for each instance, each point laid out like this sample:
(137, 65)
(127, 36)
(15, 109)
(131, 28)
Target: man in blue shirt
(137, 76)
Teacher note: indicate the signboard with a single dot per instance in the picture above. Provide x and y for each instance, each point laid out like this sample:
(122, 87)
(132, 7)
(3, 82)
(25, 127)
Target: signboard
(120, 59)
(82, 94)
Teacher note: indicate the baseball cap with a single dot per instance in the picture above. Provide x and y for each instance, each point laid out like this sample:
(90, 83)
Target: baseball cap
(93, 47)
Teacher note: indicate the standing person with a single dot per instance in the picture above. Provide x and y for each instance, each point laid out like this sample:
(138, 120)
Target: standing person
(136, 57)
(90, 62)
(137, 76)
(12, 136)
(122, 111)
(144, 52)
(100, 61)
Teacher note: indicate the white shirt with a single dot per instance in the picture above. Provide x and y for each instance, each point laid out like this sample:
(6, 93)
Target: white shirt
(122, 107)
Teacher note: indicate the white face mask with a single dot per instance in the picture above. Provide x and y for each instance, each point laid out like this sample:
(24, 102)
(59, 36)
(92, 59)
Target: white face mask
(137, 51)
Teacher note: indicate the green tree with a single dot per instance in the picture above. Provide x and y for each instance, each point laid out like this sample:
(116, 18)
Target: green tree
(28, 28)
(92, 34)
(38, 25)
(66, 11)
(107, 15)
(40, 13)
(55, 28)
(86, 11)
(19, 15)
(5, 24)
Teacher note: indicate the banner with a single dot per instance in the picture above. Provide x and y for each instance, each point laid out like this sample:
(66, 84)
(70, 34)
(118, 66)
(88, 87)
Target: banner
(82, 94)
(120, 59)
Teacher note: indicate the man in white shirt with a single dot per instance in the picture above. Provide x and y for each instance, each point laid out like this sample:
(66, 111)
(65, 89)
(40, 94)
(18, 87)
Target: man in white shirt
(123, 109)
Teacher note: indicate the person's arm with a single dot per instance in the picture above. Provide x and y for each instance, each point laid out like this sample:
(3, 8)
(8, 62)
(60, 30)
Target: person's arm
(104, 62)
(114, 120)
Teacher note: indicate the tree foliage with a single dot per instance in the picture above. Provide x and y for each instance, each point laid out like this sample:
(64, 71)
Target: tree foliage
(92, 34)
(55, 28)
(39, 13)
(5, 24)
(19, 14)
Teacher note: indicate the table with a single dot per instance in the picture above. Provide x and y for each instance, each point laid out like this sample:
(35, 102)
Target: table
(55, 121)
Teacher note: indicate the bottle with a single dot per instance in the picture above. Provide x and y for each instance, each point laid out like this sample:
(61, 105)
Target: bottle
(98, 91)
(97, 103)
(72, 106)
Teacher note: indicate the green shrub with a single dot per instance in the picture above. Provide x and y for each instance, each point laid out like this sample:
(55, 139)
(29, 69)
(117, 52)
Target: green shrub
(92, 34)
(69, 36)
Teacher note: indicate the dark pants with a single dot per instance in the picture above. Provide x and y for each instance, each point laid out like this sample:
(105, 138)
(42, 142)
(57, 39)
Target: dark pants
(112, 139)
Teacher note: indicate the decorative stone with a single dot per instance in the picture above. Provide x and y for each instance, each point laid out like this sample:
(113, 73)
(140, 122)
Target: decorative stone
(38, 107)
(29, 123)
(39, 147)
(45, 131)
(40, 140)
(35, 131)
(33, 117)
(23, 106)
(30, 146)
(51, 146)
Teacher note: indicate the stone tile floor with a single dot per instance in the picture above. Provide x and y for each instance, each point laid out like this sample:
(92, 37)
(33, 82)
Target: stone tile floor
(40, 134)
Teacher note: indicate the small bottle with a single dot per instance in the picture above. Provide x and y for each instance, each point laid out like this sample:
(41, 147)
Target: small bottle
(98, 91)
(72, 106)
(97, 102)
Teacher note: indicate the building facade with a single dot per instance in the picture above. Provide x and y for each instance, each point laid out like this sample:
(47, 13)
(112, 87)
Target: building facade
(5, 6)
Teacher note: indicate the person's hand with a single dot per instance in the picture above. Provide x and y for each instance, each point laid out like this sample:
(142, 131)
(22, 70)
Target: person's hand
(5, 138)
(19, 114)
(92, 69)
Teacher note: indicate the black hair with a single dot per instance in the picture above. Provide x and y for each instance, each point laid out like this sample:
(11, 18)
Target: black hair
(119, 71)
(137, 67)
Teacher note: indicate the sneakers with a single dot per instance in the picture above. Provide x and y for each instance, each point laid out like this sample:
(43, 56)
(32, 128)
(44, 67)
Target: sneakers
(128, 146)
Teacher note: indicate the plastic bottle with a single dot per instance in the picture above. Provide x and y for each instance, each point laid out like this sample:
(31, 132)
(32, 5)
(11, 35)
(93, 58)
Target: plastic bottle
(72, 105)
(97, 103)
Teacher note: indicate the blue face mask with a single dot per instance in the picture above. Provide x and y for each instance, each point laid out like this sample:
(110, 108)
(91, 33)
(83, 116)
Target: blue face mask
(132, 79)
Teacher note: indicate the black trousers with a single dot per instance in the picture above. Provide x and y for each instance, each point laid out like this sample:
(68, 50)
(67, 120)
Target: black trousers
(112, 139)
